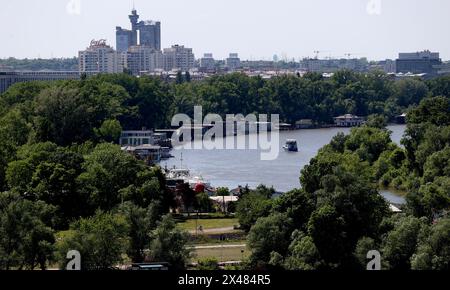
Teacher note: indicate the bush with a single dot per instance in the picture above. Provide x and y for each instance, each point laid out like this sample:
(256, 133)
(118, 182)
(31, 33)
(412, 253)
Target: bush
(208, 264)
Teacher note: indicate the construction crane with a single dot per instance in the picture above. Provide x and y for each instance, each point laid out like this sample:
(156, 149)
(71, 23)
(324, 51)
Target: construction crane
(318, 52)
(349, 55)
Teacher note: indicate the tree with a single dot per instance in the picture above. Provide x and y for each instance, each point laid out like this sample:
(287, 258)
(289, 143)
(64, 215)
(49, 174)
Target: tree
(430, 199)
(357, 201)
(433, 251)
(14, 132)
(141, 222)
(152, 102)
(303, 253)
(107, 171)
(298, 205)
(327, 230)
(363, 246)
(101, 241)
(401, 243)
(269, 234)
(440, 86)
(431, 110)
(368, 142)
(187, 76)
(110, 131)
(62, 116)
(168, 244)
(409, 92)
(49, 173)
(437, 164)
(204, 203)
(250, 208)
(147, 190)
(188, 196)
(377, 121)
(223, 191)
(26, 237)
(180, 78)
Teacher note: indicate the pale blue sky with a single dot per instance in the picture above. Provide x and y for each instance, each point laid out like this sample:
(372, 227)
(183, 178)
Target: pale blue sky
(256, 29)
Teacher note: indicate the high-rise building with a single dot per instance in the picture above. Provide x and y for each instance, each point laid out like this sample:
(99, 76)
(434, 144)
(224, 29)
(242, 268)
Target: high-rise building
(100, 58)
(150, 34)
(141, 58)
(233, 62)
(123, 39)
(207, 62)
(179, 58)
(418, 62)
(146, 33)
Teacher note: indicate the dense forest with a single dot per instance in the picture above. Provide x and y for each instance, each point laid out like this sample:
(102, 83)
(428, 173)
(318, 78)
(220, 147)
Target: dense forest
(57, 64)
(65, 185)
(337, 216)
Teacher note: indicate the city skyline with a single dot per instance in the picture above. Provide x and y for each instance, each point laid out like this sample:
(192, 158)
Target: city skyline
(222, 27)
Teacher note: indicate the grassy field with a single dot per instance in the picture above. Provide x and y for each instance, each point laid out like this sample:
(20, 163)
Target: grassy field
(189, 225)
(221, 254)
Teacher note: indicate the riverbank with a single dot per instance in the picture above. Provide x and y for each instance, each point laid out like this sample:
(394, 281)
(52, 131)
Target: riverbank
(231, 168)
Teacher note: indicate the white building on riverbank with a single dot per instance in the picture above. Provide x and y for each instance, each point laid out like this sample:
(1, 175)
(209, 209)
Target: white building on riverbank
(348, 120)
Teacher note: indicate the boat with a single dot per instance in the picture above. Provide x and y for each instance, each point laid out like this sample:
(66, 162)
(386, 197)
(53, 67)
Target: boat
(176, 175)
(185, 176)
(291, 145)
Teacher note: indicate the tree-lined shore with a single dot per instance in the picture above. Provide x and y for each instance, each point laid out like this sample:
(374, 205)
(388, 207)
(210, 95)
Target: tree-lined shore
(65, 185)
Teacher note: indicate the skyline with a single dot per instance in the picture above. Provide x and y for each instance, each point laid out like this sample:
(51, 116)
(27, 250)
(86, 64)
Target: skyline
(337, 28)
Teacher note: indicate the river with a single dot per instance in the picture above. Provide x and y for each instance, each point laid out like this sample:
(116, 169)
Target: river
(231, 168)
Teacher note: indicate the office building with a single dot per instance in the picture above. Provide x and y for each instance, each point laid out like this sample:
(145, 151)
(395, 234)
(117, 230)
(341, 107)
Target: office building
(141, 58)
(389, 66)
(123, 39)
(423, 62)
(9, 78)
(150, 34)
(147, 33)
(178, 58)
(443, 69)
(207, 62)
(100, 58)
(332, 65)
(233, 62)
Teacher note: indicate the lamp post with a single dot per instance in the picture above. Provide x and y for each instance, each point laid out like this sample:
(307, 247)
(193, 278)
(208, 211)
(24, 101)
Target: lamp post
(196, 225)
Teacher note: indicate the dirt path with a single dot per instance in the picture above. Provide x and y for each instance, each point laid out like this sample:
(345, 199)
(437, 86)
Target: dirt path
(220, 246)
(213, 231)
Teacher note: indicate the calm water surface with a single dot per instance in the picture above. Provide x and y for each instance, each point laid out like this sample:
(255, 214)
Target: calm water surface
(231, 168)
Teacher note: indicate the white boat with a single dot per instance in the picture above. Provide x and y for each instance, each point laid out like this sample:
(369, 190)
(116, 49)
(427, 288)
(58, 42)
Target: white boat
(186, 176)
(177, 173)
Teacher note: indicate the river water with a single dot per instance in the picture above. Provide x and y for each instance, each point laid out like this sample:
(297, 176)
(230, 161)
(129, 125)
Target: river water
(231, 168)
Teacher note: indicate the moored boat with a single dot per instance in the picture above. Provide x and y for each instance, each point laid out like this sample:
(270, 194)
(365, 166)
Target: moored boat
(291, 145)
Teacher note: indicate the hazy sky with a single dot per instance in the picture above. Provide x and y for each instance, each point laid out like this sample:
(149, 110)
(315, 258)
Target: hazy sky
(256, 29)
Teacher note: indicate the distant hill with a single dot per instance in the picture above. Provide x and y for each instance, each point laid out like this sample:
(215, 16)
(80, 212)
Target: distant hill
(57, 64)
